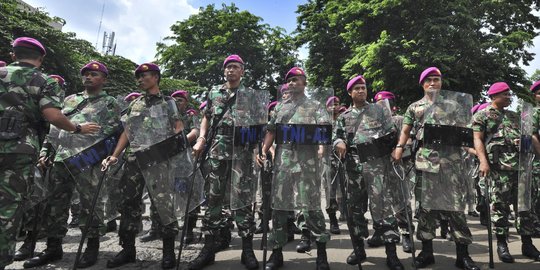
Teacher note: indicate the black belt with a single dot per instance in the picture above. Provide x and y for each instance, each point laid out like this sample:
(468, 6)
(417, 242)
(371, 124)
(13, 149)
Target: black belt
(161, 151)
(448, 135)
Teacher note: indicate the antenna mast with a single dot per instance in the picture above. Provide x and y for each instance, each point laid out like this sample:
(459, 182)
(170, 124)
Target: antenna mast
(100, 20)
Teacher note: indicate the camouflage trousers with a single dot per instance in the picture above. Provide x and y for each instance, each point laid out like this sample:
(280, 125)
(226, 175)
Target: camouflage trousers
(312, 220)
(427, 224)
(504, 192)
(219, 180)
(16, 173)
(62, 186)
(131, 187)
(536, 198)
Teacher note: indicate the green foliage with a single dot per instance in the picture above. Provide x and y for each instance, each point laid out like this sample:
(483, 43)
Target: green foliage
(390, 42)
(199, 45)
(66, 54)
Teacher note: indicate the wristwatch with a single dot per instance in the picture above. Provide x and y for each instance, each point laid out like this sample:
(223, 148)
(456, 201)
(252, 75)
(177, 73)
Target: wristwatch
(399, 145)
(77, 129)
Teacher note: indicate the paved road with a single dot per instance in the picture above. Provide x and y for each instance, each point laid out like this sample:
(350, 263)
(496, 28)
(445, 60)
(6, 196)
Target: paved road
(149, 254)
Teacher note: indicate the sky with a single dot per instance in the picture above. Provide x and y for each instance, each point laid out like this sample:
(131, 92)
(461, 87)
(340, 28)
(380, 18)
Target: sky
(139, 24)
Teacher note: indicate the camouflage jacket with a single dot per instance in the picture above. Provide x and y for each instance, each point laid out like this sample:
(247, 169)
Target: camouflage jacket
(222, 146)
(149, 119)
(361, 125)
(191, 121)
(36, 92)
(501, 129)
(536, 129)
(81, 108)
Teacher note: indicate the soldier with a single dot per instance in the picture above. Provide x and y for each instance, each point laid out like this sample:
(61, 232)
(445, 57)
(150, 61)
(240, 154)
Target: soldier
(479, 183)
(219, 107)
(3, 64)
(431, 81)
(296, 166)
(190, 124)
(363, 123)
(27, 98)
(35, 214)
(91, 104)
(408, 161)
(496, 141)
(133, 182)
(332, 105)
(535, 89)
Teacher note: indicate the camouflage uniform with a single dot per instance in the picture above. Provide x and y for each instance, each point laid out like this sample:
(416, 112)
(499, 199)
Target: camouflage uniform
(427, 219)
(19, 153)
(536, 173)
(63, 183)
(219, 166)
(296, 165)
(132, 183)
(366, 178)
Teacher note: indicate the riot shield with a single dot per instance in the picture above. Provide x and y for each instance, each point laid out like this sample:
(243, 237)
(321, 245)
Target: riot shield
(82, 153)
(373, 142)
(250, 116)
(526, 158)
(161, 156)
(303, 136)
(445, 181)
(38, 190)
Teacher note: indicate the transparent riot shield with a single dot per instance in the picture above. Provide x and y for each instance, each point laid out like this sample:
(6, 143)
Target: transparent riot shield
(373, 142)
(82, 153)
(161, 156)
(38, 190)
(445, 180)
(250, 116)
(303, 136)
(526, 157)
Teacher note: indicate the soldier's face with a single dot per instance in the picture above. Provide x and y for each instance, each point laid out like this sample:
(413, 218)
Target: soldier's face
(146, 80)
(93, 79)
(432, 83)
(334, 107)
(358, 93)
(233, 72)
(181, 103)
(296, 83)
(504, 99)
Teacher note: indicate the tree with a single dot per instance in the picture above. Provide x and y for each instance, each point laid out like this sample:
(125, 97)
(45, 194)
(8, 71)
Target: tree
(474, 43)
(66, 54)
(201, 43)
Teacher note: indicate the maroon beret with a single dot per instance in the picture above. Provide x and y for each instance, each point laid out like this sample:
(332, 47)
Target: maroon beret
(356, 80)
(146, 67)
(430, 71)
(232, 58)
(295, 71)
(498, 87)
(31, 43)
(95, 66)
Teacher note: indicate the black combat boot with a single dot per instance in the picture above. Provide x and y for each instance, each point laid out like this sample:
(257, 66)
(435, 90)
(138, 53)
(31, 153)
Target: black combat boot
(334, 226)
(291, 230)
(223, 240)
(207, 255)
(25, 250)
(322, 260)
(358, 254)
(128, 252)
(168, 259)
(276, 260)
(392, 260)
(190, 236)
(112, 226)
(52, 253)
(425, 257)
(376, 240)
(444, 228)
(305, 242)
(464, 260)
(502, 249)
(406, 243)
(152, 234)
(528, 249)
(248, 258)
(90, 255)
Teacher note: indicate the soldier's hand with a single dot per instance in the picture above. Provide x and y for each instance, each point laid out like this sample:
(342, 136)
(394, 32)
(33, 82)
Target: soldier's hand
(260, 159)
(87, 128)
(198, 148)
(341, 150)
(397, 154)
(110, 160)
(483, 169)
